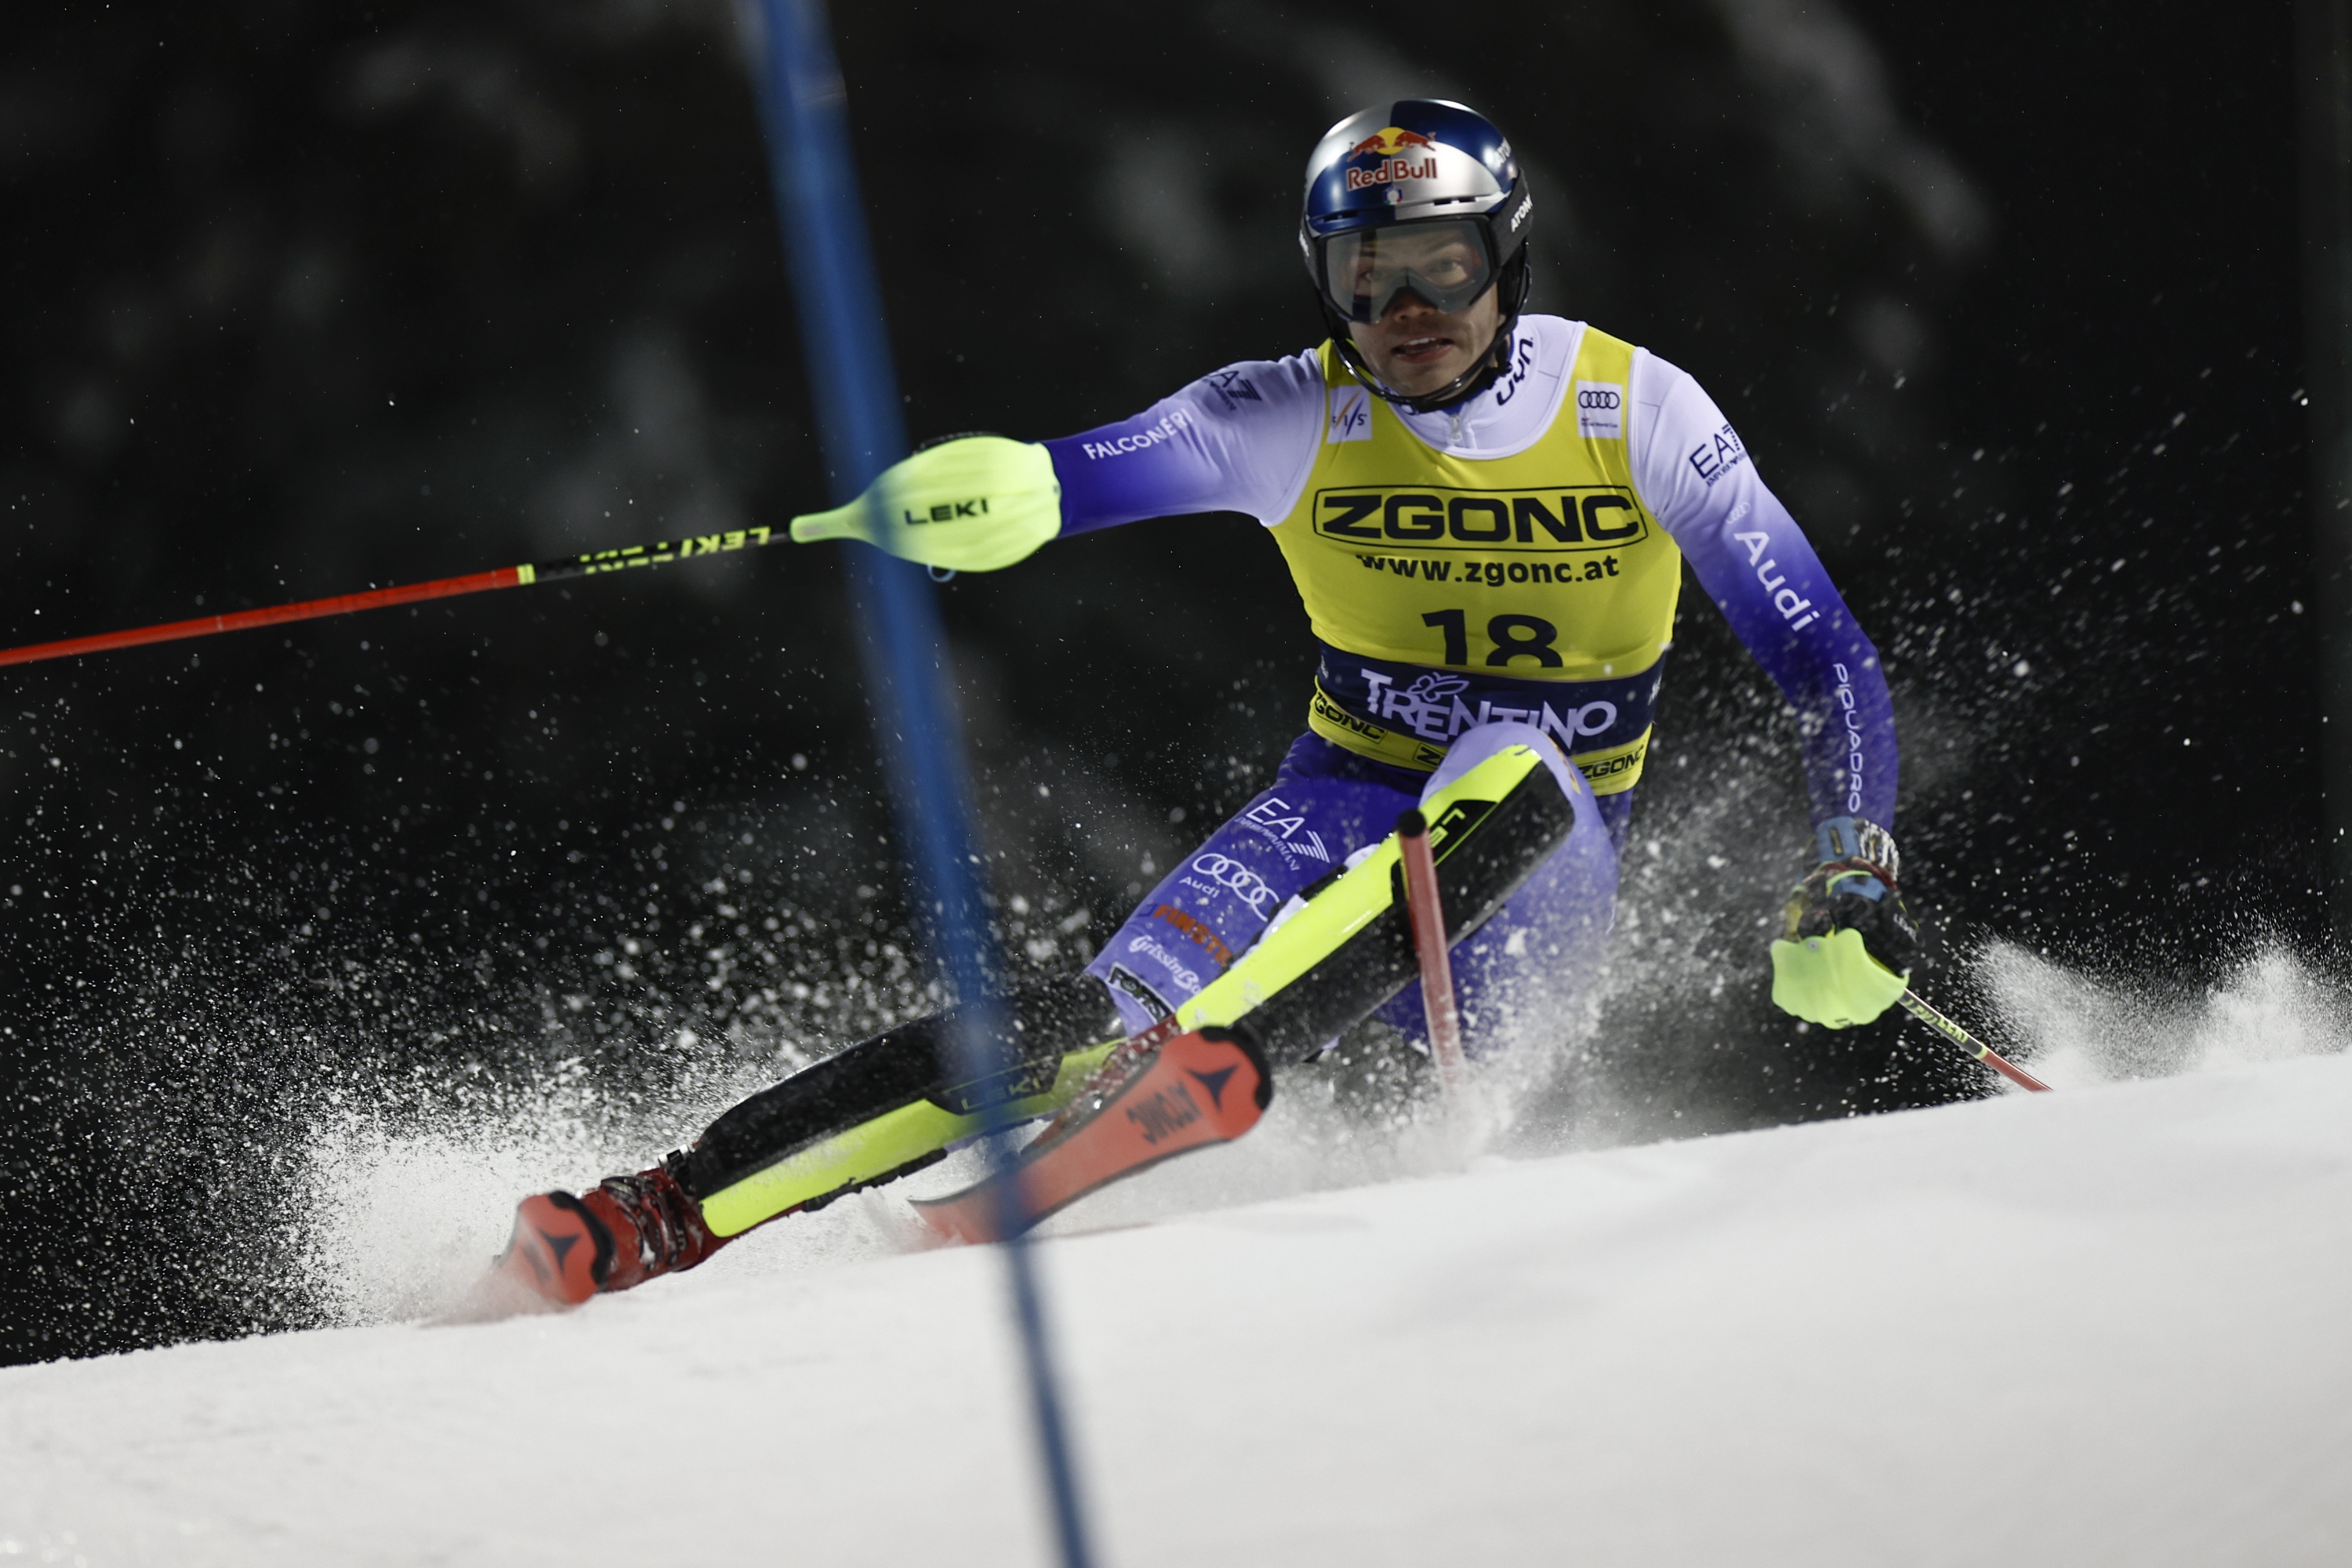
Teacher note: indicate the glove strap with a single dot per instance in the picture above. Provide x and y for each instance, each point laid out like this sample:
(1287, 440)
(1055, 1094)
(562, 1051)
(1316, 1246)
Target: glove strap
(1858, 838)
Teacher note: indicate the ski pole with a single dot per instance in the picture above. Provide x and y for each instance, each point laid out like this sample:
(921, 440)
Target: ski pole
(1428, 921)
(589, 566)
(1968, 1042)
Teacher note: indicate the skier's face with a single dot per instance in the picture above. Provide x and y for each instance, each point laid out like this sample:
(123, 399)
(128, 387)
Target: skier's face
(1418, 348)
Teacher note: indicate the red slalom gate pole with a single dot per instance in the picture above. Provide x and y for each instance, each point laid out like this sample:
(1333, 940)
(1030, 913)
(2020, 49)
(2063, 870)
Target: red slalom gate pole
(588, 565)
(1429, 946)
(1967, 1042)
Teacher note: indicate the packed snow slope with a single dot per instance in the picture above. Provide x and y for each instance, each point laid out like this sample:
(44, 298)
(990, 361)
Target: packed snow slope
(2110, 1325)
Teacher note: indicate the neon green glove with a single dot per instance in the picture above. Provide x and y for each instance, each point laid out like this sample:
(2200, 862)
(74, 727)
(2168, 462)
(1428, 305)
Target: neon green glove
(1849, 942)
(1833, 981)
(972, 504)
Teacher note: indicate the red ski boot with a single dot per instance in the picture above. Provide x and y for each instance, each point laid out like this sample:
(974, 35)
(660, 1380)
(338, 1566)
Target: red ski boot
(619, 1233)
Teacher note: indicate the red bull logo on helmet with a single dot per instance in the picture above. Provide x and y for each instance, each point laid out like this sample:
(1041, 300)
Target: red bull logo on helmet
(1396, 154)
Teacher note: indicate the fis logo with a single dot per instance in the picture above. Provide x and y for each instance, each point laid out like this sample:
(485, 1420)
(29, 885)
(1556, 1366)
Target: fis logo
(1351, 415)
(1392, 154)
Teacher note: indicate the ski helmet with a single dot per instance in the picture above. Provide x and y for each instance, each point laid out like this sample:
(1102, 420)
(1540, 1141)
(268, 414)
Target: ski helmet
(1425, 196)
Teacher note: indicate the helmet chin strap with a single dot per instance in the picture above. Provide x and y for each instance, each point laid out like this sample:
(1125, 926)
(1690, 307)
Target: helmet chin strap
(1461, 389)
(1513, 293)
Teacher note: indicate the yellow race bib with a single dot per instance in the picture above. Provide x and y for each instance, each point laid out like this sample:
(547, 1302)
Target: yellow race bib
(1541, 567)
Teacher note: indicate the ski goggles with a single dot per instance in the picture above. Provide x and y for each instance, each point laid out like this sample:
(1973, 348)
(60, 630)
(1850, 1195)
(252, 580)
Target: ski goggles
(1446, 263)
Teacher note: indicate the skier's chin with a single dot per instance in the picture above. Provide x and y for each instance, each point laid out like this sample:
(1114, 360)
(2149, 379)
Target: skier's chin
(1421, 365)
(1413, 362)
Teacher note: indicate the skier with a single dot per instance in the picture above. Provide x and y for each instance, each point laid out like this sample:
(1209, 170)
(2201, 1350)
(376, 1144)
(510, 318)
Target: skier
(1486, 513)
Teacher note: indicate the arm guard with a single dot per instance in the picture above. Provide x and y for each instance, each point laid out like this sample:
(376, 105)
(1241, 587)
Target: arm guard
(972, 504)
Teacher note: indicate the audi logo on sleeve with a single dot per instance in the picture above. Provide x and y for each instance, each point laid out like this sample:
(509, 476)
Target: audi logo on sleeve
(1226, 872)
(1601, 410)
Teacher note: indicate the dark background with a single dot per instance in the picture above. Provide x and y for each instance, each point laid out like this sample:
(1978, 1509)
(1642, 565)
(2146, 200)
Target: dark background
(305, 297)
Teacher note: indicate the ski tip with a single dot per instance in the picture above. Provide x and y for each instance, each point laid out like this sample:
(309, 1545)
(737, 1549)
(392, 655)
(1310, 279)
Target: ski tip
(1240, 1036)
(550, 1265)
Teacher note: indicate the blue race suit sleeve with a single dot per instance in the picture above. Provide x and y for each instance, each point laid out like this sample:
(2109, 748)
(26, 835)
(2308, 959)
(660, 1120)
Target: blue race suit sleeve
(1757, 566)
(1238, 439)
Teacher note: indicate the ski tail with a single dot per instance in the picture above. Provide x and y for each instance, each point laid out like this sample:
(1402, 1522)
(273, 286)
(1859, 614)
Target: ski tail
(893, 1104)
(1207, 1086)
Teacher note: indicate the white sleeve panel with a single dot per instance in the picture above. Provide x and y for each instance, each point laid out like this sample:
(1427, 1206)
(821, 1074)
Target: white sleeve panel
(1753, 559)
(1243, 439)
(1680, 442)
(1281, 460)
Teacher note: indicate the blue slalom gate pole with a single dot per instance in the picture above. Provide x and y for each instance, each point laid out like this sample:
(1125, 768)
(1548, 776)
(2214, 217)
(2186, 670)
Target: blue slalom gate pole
(803, 115)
